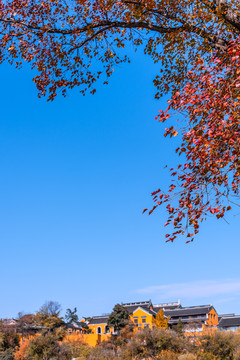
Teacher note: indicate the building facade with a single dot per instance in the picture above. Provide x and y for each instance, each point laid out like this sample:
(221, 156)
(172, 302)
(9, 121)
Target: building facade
(229, 322)
(195, 319)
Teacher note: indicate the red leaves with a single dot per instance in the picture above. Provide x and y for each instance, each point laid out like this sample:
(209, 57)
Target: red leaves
(211, 144)
(214, 211)
(64, 43)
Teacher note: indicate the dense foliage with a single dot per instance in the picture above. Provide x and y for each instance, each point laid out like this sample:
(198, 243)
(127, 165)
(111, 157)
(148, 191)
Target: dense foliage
(49, 315)
(76, 42)
(72, 43)
(119, 317)
(161, 344)
(208, 182)
(71, 315)
(160, 320)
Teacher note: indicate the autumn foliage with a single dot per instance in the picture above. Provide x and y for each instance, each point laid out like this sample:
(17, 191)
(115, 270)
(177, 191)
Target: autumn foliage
(74, 43)
(207, 183)
(160, 321)
(196, 42)
(20, 354)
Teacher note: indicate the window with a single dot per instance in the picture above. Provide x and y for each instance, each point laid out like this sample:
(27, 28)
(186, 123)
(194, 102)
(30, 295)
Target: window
(107, 330)
(135, 321)
(143, 321)
(146, 325)
(99, 330)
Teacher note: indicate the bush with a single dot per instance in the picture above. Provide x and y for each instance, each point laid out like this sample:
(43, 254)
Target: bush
(7, 355)
(78, 349)
(219, 346)
(45, 347)
(20, 354)
(153, 342)
(187, 357)
(8, 340)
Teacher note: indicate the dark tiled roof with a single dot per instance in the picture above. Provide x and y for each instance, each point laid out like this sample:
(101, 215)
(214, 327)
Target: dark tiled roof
(139, 303)
(188, 311)
(70, 326)
(98, 320)
(167, 306)
(131, 309)
(225, 315)
(197, 319)
(156, 308)
(76, 325)
(145, 305)
(152, 312)
(229, 321)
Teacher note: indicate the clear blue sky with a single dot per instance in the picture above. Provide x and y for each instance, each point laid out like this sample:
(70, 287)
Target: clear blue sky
(75, 177)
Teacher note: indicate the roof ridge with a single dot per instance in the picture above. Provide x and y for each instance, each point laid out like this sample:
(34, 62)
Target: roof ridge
(136, 303)
(197, 306)
(167, 303)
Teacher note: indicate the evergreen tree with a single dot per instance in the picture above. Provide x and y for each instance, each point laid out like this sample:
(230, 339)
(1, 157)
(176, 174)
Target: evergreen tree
(71, 315)
(179, 328)
(118, 318)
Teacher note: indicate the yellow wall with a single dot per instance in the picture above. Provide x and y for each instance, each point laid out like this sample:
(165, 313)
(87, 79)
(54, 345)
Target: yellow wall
(94, 328)
(89, 339)
(209, 327)
(212, 318)
(141, 319)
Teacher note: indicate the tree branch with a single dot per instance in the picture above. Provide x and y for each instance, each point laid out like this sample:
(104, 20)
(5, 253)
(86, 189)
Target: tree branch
(107, 24)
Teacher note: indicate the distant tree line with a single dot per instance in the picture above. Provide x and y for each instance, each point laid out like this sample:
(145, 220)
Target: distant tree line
(159, 343)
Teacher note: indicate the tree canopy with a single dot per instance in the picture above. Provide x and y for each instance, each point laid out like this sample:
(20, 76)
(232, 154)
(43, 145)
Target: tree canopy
(72, 43)
(77, 42)
(45, 347)
(119, 317)
(208, 182)
(49, 315)
(160, 320)
(71, 315)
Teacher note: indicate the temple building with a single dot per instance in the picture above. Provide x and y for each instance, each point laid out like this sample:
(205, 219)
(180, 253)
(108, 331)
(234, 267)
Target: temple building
(229, 322)
(142, 314)
(194, 318)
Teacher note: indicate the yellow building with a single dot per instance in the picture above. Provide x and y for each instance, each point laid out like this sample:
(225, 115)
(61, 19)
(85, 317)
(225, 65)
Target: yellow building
(98, 325)
(141, 314)
(196, 319)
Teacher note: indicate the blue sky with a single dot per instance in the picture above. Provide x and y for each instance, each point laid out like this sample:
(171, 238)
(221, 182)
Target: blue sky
(75, 177)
